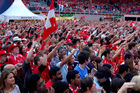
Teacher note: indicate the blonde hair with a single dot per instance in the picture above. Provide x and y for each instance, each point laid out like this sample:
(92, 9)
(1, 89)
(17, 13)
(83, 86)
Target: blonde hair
(136, 79)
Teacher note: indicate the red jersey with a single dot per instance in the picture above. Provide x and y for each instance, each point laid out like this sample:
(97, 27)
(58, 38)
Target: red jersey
(44, 74)
(15, 59)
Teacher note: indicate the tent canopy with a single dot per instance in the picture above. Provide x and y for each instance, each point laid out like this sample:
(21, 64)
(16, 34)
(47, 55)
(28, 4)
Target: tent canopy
(18, 11)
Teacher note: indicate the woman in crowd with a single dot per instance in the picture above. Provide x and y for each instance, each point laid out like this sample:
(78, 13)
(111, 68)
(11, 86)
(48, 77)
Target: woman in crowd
(7, 83)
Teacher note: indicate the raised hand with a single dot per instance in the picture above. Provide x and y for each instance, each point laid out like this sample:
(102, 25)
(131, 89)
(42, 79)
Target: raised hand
(126, 86)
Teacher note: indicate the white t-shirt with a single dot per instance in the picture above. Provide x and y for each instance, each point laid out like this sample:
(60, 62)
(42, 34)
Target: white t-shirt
(15, 90)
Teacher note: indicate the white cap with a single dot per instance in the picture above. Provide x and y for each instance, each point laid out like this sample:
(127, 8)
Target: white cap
(107, 32)
(24, 39)
(103, 36)
(16, 38)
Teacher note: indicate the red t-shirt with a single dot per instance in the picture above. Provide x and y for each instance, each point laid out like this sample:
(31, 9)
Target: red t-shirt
(15, 59)
(44, 74)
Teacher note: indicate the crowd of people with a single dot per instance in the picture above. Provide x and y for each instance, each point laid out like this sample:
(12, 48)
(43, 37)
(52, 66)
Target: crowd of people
(79, 57)
(93, 6)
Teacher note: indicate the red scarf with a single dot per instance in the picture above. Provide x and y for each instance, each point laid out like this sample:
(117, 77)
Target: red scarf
(73, 91)
(121, 57)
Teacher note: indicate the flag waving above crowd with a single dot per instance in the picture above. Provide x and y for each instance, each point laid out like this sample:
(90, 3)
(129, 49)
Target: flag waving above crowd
(133, 25)
(50, 25)
(83, 46)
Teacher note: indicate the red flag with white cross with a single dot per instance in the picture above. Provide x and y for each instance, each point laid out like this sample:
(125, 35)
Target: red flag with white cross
(50, 25)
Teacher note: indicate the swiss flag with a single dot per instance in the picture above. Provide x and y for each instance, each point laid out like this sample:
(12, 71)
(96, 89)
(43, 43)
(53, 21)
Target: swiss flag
(50, 25)
(133, 25)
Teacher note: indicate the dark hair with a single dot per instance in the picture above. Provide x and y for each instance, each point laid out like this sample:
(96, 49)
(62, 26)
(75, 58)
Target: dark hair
(20, 50)
(98, 60)
(92, 58)
(83, 56)
(51, 48)
(122, 41)
(90, 44)
(69, 44)
(62, 38)
(103, 72)
(33, 82)
(2, 67)
(37, 58)
(92, 36)
(96, 38)
(53, 71)
(107, 40)
(107, 65)
(111, 36)
(85, 83)
(116, 84)
(74, 41)
(107, 51)
(131, 45)
(86, 49)
(29, 45)
(127, 56)
(102, 41)
(71, 75)
(60, 87)
(129, 62)
(123, 68)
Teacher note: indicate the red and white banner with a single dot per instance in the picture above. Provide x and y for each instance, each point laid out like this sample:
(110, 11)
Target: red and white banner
(50, 25)
(133, 25)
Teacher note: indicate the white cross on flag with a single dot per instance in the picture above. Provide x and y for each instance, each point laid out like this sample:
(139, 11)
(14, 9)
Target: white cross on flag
(50, 25)
(133, 25)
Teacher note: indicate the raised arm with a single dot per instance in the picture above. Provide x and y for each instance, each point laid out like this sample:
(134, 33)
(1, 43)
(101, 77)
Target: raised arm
(53, 52)
(67, 58)
(28, 59)
(45, 61)
(101, 50)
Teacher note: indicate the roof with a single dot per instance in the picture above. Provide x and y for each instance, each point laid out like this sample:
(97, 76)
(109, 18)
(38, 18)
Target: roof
(19, 11)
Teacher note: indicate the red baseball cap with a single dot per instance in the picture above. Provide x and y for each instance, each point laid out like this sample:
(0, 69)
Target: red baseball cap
(3, 52)
(85, 36)
(68, 41)
(12, 46)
